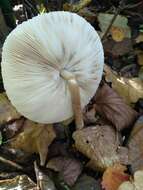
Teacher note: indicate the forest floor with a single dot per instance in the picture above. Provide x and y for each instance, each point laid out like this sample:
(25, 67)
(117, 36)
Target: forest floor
(108, 153)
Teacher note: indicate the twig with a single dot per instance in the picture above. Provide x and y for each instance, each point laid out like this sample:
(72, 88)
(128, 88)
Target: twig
(118, 10)
(110, 25)
(133, 5)
(37, 175)
(11, 163)
(31, 6)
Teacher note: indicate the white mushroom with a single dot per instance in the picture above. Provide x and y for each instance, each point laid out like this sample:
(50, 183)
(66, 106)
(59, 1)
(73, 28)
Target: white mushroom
(43, 56)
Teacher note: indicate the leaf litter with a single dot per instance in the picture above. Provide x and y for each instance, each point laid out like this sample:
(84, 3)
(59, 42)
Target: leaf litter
(111, 139)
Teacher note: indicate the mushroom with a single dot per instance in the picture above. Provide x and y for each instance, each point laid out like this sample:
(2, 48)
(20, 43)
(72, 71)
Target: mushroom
(51, 66)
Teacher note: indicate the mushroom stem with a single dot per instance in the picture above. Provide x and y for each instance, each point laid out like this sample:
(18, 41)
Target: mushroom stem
(75, 97)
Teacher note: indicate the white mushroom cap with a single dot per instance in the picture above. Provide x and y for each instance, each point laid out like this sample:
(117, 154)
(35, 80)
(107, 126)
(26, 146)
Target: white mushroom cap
(36, 53)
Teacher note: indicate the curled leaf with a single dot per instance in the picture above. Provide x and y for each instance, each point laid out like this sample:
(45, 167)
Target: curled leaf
(7, 111)
(118, 49)
(114, 176)
(131, 89)
(89, 116)
(35, 138)
(111, 106)
(69, 168)
(135, 146)
(100, 144)
(140, 57)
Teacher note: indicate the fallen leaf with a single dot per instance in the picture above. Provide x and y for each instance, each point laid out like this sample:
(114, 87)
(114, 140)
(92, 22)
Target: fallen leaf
(12, 128)
(100, 144)
(7, 111)
(136, 184)
(118, 48)
(141, 73)
(117, 33)
(58, 148)
(89, 116)
(35, 138)
(86, 183)
(131, 89)
(139, 38)
(127, 186)
(120, 23)
(89, 15)
(75, 7)
(20, 182)
(69, 168)
(140, 57)
(114, 176)
(44, 182)
(135, 146)
(112, 107)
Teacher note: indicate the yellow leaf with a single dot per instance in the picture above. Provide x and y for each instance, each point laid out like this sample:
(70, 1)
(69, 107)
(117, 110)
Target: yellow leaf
(77, 6)
(117, 33)
(131, 89)
(7, 111)
(35, 138)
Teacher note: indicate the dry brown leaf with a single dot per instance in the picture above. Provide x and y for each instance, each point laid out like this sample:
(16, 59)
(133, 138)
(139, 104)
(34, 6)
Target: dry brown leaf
(136, 184)
(111, 106)
(69, 168)
(131, 89)
(135, 146)
(139, 38)
(90, 16)
(100, 144)
(7, 111)
(140, 57)
(118, 49)
(114, 176)
(12, 128)
(89, 116)
(35, 138)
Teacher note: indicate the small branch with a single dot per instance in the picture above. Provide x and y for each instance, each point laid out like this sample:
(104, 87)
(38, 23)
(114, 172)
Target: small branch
(11, 163)
(110, 25)
(37, 175)
(117, 12)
